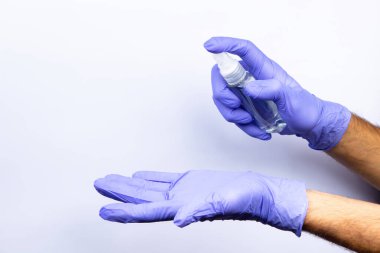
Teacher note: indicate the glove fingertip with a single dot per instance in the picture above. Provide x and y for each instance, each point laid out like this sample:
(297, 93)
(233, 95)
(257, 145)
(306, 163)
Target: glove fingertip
(255, 132)
(112, 214)
(209, 45)
(99, 184)
(104, 213)
(261, 136)
(181, 223)
(183, 217)
(265, 137)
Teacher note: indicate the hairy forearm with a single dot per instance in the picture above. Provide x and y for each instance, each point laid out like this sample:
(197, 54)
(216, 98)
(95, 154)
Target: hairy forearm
(351, 223)
(359, 150)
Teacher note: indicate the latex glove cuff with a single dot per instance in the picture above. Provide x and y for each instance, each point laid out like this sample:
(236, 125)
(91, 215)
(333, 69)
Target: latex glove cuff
(289, 207)
(331, 127)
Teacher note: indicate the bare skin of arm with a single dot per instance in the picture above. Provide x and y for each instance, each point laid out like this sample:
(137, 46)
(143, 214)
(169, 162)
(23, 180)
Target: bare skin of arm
(359, 150)
(351, 223)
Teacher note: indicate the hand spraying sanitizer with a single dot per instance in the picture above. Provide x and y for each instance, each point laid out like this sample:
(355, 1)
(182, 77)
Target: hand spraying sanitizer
(264, 112)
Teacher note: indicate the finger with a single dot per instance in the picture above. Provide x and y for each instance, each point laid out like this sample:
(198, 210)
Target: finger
(145, 184)
(220, 90)
(127, 193)
(233, 115)
(271, 89)
(197, 211)
(255, 131)
(259, 64)
(156, 176)
(148, 212)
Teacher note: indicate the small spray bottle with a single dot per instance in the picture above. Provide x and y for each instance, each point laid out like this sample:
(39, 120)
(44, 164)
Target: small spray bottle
(264, 112)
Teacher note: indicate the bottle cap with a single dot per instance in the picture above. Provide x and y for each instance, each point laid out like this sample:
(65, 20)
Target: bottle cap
(227, 65)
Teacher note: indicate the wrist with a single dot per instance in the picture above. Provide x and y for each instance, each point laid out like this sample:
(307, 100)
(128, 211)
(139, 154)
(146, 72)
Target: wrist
(331, 127)
(314, 199)
(290, 206)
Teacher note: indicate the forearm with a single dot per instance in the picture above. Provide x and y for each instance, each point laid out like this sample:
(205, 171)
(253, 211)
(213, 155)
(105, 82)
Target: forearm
(359, 149)
(351, 223)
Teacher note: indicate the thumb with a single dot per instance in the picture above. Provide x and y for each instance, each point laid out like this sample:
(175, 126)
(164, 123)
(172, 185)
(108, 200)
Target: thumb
(270, 89)
(196, 211)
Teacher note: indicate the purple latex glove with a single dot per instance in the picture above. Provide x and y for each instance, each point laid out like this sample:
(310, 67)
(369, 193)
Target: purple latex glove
(320, 122)
(200, 195)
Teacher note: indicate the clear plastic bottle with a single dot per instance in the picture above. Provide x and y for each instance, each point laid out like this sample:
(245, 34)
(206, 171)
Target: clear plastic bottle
(264, 112)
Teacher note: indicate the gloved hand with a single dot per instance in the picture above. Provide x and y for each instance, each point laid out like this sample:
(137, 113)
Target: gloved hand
(320, 122)
(204, 195)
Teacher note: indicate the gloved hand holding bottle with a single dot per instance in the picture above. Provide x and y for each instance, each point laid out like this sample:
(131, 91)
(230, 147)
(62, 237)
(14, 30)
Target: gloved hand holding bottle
(200, 195)
(321, 123)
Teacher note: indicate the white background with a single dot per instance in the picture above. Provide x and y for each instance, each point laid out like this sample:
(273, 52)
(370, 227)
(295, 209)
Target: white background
(89, 88)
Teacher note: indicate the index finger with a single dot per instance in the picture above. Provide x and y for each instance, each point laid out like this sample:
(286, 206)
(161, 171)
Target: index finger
(259, 64)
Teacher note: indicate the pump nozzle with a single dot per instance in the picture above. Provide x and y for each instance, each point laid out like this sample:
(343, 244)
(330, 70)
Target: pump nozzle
(229, 68)
(227, 65)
